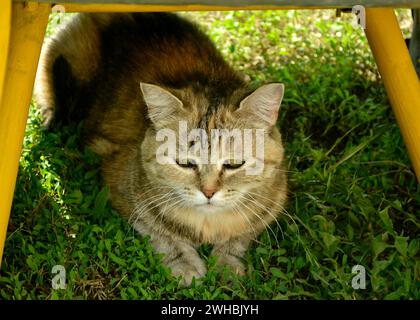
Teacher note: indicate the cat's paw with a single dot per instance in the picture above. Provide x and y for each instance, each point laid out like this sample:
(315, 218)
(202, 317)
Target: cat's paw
(187, 270)
(232, 262)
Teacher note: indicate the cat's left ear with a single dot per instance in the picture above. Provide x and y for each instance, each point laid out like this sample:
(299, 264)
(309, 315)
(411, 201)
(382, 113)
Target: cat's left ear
(262, 106)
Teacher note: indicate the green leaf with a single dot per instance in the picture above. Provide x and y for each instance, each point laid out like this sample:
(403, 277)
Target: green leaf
(401, 245)
(101, 201)
(116, 259)
(393, 296)
(381, 265)
(407, 281)
(386, 220)
(277, 273)
(108, 245)
(413, 247)
(300, 263)
(378, 246)
(75, 197)
(133, 293)
(140, 266)
(32, 263)
(262, 251)
(330, 241)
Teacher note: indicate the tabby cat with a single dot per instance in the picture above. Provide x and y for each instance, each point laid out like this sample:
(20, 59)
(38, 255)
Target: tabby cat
(127, 76)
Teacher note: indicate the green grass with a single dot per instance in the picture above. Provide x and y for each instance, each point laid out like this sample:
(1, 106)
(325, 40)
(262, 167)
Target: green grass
(353, 194)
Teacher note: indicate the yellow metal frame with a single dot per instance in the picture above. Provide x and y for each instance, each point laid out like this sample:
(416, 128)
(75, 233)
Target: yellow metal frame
(22, 31)
(399, 76)
(75, 7)
(5, 23)
(25, 31)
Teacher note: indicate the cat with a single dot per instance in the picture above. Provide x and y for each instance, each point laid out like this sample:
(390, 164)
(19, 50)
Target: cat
(127, 76)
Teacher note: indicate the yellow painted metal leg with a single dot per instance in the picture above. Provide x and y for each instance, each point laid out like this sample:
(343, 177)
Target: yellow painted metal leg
(5, 23)
(27, 29)
(398, 74)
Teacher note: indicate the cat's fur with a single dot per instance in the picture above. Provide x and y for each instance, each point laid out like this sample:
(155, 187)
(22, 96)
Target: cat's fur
(128, 75)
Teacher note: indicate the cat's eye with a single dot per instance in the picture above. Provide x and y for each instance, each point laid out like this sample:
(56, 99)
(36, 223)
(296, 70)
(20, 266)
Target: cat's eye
(191, 164)
(232, 165)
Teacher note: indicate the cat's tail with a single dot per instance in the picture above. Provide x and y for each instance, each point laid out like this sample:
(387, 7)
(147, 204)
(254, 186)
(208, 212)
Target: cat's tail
(68, 63)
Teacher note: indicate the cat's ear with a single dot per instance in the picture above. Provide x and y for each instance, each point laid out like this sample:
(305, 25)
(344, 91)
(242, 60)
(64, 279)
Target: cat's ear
(262, 106)
(163, 107)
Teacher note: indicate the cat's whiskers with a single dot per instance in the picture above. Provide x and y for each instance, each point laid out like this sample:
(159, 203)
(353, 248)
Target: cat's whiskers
(170, 198)
(136, 196)
(162, 213)
(142, 207)
(140, 196)
(156, 203)
(267, 210)
(262, 220)
(283, 210)
(142, 202)
(145, 206)
(237, 209)
(285, 170)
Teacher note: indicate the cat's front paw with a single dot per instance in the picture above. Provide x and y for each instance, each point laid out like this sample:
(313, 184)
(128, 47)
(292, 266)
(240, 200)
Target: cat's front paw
(187, 269)
(232, 262)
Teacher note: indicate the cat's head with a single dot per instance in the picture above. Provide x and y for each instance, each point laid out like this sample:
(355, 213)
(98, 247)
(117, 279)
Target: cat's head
(234, 150)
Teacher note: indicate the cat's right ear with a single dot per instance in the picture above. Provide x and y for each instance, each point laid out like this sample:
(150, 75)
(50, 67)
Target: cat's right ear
(163, 107)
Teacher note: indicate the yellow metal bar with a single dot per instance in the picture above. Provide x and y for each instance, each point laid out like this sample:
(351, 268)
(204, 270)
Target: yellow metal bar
(28, 27)
(5, 23)
(398, 74)
(75, 7)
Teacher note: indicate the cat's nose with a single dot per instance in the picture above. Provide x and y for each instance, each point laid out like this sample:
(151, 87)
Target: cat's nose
(209, 192)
